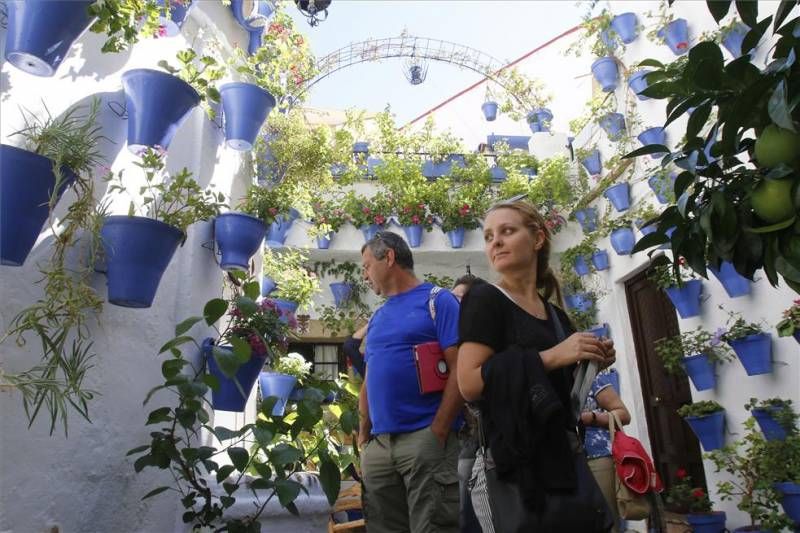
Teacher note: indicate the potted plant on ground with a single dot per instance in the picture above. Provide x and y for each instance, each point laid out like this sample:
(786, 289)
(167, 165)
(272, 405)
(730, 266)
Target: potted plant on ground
(296, 284)
(775, 417)
(707, 420)
(695, 352)
(284, 381)
(680, 285)
(155, 225)
(750, 343)
(790, 324)
(692, 501)
(328, 218)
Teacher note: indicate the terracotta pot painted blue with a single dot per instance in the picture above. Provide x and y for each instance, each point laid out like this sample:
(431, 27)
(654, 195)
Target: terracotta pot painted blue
(790, 500)
(40, 33)
(370, 231)
(638, 83)
(361, 147)
(662, 188)
(599, 331)
(622, 240)
(587, 218)
(280, 386)
(655, 135)
(276, 236)
(580, 266)
(755, 353)
(580, 301)
(456, 237)
(733, 41)
(228, 396)
(238, 237)
(498, 174)
(614, 125)
(713, 522)
(246, 108)
(435, 170)
(489, 110)
(413, 235)
(686, 299)
(341, 292)
(157, 104)
(286, 308)
(625, 26)
(710, 429)
(600, 260)
(592, 163)
(27, 182)
(173, 21)
(734, 283)
(539, 119)
(619, 195)
(606, 73)
(372, 164)
(676, 36)
(700, 370)
(268, 286)
(137, 251)
(324, 241)
(770, 427)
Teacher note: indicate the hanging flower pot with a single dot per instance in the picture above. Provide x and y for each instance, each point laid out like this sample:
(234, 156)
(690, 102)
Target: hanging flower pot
(456, 237)
(268, 286)
(662, 187)
(619, 195)
(489, 110)
(592, 163)
(600, 260)
(734, 283)
(286, 308)
(40, 33)
(436, 170)
(655, 135)
(734, 39)
(246, 108)
(238, 237)
(370, 231)
(755, 353)
(498, 174)
(713, 522)
(580, 266)
(790, 499)
(173, 21)
(280, 386)
(625, 26)
(580, 301)
(157, 105)
(710, 429)
(361, 147)
(606, 73)
(341, 292)
(228, 396)
(324, 241)
(770, 427)
(700, 370)
(276, 236)
(686, 298)
(137, 252)
(676, 36)
(608, 39)
(413, 234)
(614, 125)
(599, 331)
(622, 240)
(638, 83)
(539, 120)
(26, 185)
(587, 218)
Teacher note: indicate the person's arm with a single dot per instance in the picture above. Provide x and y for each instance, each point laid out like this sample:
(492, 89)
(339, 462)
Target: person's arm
(364, 423)
(471, 356)
(577, 347)
(452, 402)
(360, 332)
(609, 400)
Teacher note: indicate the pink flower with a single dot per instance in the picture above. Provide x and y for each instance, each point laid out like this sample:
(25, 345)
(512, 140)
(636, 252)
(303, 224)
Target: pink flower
(366, 210)
(162, 31)
(379, 219)
(421, 206)
(273, 211)
(406, 209)
(681, 473)
(415, 219)
(698, 493)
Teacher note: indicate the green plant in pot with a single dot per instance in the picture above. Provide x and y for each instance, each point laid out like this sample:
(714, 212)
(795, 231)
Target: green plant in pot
(597, 31)
(750, 343)
(779, 466)
(520, 94)
(684, 497)
(775, 416)
(354, 311)
(125, 21)
(328, 217)
(266, 204)
(579, 257)
(554, 185)
(790, 323)
(365, 212)
(695, 352)
(295, 282)
(201, 72)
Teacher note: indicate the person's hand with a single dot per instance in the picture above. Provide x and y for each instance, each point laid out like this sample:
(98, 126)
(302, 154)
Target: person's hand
(610, 353)
(578, 347)
(440, 432)
(363, 438)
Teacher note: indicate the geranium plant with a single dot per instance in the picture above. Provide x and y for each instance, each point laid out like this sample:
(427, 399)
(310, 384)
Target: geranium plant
(738, 328)
(328, 216)
(701, 408)
(365, 211)
(126, 21)
(672, 350)
(664, 275)
(266, 203)
(791, 320)
(684, 497)
(295, 281)
(259, 325)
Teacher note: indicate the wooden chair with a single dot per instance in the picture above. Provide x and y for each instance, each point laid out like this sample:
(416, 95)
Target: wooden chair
(349, 500)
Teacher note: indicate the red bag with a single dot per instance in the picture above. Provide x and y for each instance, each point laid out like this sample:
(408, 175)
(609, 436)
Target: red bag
(634, 467)
(432, 371)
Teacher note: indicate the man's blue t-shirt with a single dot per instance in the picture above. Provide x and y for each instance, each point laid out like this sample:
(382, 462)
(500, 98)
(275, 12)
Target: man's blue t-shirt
(395, 403)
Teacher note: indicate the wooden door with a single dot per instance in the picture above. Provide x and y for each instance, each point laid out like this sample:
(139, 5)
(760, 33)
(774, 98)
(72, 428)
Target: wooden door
(673, 443)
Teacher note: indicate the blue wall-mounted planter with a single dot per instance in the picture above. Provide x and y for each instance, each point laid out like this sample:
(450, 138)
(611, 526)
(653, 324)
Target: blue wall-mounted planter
(246, 108)
(370, 231)
(625, 26)
(755, 353)
(437, 170)
(280, 386)
(228, 397)
(700, 370)
(710, 429)
(173, 21)
(655, 135)
(614, 125)
(539, 120)
(770, 427)
(662, 188)
(489, 110)
(580, 301)
(413, 235)
(676, 36)
(498, 174)
(734, 39)
(638, 83)
(686, 298)
(514, 142)
(592, 163)
(580, 266)
(713, 522)
(790, 499)
(619, 195)
(286, 308)
(276, 236)
(622, 240)
(600, 260)
(341, 292)
(361, 147)
(606, 73)
(587, 218)
(456, 237)
(268, 286)
(238, 237)
(324, 241)
(734, 283)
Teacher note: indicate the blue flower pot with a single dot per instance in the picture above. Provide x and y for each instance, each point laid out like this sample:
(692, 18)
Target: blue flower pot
(734, 283)
(436, 170)
(26, 183)
(733, 41)
(173, 21)
(268, 286)
(246, 108)
(580, 301)
(592, 163)
(137, 252)
(324, 241)
(498, 174)
(608, 39)
(647, 230)
(606, 73)
(796, 335)
(622, 240)
(707, 522)
(625, 26)
(790, 500)
(40, 33)
(228, 396)
(489, 110)
(655, 135)
(600, 260)
(770, 427)
(338, 169)
(614, 125)
(297, 394)
(619, 195)
(676, 36)
(286, 308)
(587, 218)
(755, 353)
(280, 386)
(700, 370)
(638, 83)
(238, 237)
(372, 164)
(361, 147)
(599, 331)
(710, 429)
(580, 266)
(662, 188)
(413, 235)
(157, 105)
(370, 231)
(341, 292)
(686, 299)
(539, 120)
(456, 237)
(276, 236)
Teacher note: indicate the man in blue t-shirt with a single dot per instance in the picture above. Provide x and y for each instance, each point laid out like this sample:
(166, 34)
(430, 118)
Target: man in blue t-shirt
(409, 448)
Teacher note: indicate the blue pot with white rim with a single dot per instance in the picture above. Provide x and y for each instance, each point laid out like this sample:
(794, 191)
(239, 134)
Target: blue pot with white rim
(413, 234)
(456, 237)
(276, 385)
(755, 353)
(592, 163)
(341, 292)
(238, 237)
(587, 218)
(246, 107)
(638, 83)
(600, 260)
(232, 393)
(655, 135)
(614, 125)
(268, 285)
(580, 266)
(606, 72)
(735, 284)
(734, 39)
(539, 120)
(676, 36)
(40, 33)
(489, 110)
(619, 195)
(625, 24)
(324, 241)
(686, 298)
(710, 429)
(700, 370)
(370, 231)
(770, 426)
(623, 240)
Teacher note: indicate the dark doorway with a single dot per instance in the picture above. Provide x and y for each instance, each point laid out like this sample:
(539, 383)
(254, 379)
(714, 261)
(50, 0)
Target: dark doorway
(673, 443)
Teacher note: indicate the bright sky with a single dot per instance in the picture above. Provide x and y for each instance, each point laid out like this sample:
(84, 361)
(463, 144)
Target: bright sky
(500, 28)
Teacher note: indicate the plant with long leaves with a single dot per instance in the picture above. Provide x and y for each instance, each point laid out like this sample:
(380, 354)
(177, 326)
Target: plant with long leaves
(125, 22)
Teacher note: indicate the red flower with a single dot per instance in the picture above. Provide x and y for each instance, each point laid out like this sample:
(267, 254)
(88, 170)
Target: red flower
(415, 219)
(366, 210)
(698, 493)
(681, 473)
(273, 211)
(379, 219)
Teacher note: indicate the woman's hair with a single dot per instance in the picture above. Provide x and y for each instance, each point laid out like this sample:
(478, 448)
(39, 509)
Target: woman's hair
(466, 279)
(546, 280)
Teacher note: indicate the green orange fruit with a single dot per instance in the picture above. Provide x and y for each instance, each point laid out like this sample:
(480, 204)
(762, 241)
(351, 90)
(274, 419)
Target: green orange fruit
(776, 145)
(772, 200)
